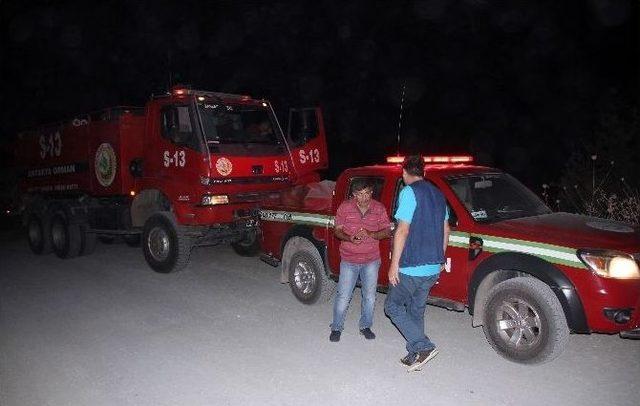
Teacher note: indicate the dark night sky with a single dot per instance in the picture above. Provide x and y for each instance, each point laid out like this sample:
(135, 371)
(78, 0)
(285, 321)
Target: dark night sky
(517, 83)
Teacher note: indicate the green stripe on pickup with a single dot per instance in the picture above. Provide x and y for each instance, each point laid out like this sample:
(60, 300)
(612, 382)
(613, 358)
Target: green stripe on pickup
(297, 218)
(554, 254)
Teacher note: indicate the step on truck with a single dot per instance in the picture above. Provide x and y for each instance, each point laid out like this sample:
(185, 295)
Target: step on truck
(188, 169)
(527, 275)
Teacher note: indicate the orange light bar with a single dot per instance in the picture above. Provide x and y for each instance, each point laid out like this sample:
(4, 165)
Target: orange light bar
(432, 159)
(395, 159)
(179, 92)
(448, 159)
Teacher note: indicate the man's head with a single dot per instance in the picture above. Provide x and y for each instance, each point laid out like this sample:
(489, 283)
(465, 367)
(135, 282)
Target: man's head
(362, 191)
(412, 169)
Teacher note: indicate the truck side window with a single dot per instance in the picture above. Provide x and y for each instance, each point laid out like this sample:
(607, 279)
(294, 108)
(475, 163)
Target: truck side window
(376, 183)
(303, 126)
(177, 126)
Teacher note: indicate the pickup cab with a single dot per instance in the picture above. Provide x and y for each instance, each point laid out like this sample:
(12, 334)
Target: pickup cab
(529, 276)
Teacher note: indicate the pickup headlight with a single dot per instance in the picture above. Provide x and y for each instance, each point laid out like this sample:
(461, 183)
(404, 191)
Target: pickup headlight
(610, 264)
(212, 200)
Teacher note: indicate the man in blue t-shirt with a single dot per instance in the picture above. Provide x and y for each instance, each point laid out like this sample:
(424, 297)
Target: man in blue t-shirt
(419, 244)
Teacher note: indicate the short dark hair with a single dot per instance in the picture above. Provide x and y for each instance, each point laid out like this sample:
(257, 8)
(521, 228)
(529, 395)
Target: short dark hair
(414, 165)
(360, 184)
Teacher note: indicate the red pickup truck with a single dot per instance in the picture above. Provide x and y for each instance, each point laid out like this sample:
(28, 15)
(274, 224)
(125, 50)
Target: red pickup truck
(528, 275)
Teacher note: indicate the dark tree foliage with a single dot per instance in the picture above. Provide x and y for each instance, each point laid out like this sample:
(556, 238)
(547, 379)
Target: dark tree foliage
(513, 82)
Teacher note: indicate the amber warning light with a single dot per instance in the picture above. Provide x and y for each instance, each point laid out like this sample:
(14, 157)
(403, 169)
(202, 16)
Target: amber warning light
(430, 159)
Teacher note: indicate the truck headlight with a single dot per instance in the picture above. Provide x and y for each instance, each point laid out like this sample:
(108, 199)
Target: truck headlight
(610, 264)
(212, 200)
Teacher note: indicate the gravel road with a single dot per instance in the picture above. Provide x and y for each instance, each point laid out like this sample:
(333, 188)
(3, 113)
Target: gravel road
(106, 330)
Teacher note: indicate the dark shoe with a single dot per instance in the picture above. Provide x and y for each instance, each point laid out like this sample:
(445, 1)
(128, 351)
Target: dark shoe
(409, 359)
(423, 358)
(367, 333)
(335, 336)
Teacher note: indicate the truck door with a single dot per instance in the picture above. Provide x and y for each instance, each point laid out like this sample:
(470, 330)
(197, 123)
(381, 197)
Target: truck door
(308, 143)
(174, 152)
(452, 281)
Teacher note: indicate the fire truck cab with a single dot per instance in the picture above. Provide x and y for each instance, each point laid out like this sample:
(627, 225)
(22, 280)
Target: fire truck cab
(188, 169)
(528, 275)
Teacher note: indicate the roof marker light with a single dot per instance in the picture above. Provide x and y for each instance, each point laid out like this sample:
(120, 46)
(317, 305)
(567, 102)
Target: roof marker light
(395, 159)
(448, 159)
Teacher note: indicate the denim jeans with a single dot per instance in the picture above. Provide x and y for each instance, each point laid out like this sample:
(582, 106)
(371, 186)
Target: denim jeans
(405, 306)
(349, 273)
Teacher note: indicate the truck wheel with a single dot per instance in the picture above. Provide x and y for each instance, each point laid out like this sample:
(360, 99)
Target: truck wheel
(66, 237)
(308, 281)
(248, 246)
(39, 233)
(89, 240)
(166, 248)
(524, 321)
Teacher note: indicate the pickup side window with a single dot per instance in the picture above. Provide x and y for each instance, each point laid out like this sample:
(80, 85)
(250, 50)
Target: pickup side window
(376, 183)
(177, 125)
(453, 217)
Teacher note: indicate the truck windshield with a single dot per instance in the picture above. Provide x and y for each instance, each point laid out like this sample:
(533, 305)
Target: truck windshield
(492, 197)
(240, 129)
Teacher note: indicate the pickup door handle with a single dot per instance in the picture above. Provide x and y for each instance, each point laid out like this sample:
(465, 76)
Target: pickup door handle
(475, 247)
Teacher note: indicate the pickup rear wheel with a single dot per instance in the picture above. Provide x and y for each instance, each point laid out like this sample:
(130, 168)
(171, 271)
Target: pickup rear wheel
(524, 321)
(248, 246)
(39, 233)
(308, 281)
(166, 247)
(66, 236)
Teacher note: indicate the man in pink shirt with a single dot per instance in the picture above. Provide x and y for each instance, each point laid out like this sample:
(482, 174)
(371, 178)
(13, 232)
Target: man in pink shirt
(360, 222)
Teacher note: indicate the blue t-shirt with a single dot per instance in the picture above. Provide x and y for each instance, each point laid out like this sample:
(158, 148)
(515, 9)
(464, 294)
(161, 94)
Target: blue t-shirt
(406, 206)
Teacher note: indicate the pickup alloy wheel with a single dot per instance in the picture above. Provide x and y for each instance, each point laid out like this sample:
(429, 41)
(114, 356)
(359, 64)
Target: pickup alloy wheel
(524, 321)
(307, 278)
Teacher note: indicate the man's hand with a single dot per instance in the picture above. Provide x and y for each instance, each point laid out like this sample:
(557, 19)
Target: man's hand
(394, 277)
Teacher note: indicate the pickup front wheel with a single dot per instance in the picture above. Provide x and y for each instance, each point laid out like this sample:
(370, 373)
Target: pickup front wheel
(308, 281)
(524, 321)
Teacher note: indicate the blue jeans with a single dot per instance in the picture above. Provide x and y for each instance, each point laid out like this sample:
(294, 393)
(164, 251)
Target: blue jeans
(349, 272)
(405, 306)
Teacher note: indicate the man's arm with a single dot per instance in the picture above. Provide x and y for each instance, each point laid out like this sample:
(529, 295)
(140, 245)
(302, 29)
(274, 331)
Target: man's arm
(445, 240)
(342, 235)
(380, 234)
(399, 239)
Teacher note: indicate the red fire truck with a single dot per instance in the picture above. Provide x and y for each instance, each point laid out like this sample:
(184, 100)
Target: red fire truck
(527, 275)
(188, 169)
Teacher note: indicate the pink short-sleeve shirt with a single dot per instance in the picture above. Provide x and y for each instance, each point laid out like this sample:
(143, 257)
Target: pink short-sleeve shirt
(351, 218)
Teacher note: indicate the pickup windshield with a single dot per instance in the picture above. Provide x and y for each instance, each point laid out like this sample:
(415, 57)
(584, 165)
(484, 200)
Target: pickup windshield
(492, 197)
(240, 129)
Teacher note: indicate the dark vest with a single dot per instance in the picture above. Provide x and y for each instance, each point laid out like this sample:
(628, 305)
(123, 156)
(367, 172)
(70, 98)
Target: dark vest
(424, 242)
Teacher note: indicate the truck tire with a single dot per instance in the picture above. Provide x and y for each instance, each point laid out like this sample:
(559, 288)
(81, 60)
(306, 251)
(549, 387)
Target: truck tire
(248, 246)
(307, 278)
(39, 233)
(66, 236)
(524, 321)
(166, 248)
(89, 240)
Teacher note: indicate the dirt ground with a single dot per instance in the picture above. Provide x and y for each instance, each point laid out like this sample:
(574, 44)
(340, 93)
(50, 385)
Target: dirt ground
(106, 330)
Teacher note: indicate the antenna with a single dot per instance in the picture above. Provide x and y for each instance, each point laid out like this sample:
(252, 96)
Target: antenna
(169, 68)
(400, 118)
